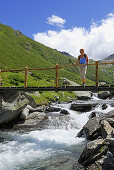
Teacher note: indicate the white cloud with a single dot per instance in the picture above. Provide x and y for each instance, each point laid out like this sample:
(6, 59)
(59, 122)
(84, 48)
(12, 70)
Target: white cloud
(98, 41)
(56, 20)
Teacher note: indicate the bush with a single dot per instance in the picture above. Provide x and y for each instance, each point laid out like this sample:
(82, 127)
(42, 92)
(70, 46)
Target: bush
(15, 79)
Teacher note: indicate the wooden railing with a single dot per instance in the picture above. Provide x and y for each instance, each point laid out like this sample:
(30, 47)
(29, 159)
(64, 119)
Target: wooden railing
(57, 67)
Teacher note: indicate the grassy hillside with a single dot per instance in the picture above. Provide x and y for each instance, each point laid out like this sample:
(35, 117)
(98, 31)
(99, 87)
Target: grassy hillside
(18, 51)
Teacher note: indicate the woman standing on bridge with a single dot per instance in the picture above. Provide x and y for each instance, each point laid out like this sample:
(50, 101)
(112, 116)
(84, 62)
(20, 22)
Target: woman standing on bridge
(82, 59)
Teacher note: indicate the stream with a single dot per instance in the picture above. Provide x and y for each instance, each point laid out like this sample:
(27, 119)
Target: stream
(48, 149)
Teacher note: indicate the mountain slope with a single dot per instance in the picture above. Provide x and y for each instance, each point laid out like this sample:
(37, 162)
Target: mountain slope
(19, 51)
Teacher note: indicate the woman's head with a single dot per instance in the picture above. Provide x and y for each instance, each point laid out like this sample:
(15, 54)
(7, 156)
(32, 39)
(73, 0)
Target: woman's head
(82, 51)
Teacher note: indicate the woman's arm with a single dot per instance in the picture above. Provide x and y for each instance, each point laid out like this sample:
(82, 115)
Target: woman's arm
(87, 60)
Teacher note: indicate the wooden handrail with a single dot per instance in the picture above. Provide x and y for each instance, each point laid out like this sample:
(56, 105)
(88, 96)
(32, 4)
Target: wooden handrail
(57, 67)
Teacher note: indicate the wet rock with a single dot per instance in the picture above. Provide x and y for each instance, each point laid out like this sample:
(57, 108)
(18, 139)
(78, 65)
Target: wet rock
(83, 97)
(32, 102)
(107, 115)
(11, 105)
(83, 107)
(111, 144)
(104, 94)
(108, 163)
(104, 106)
(110, 121)
(65, 112)
(37, 109)
(53, 109)
(95, 114)
(93, 151)
(106, 129)
(91, 129)
(24, 113)
(94, 166)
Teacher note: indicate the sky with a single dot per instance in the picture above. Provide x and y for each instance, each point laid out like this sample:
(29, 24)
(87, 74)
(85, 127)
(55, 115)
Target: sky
(65, 25)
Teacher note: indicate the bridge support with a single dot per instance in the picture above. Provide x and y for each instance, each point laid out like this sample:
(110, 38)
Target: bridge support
(57, 67)
(26, 73)
(96, 83)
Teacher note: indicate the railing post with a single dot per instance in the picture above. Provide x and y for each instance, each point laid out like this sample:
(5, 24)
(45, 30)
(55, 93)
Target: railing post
(26, 72)
(57, 66)
(0, 78)
(96, 83)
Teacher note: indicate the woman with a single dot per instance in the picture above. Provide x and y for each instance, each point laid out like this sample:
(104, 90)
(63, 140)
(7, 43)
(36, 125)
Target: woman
(82, 59)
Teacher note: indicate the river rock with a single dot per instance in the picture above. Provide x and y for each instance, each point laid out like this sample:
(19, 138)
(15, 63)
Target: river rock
(32, 102)
(110, 121)
(104, 106)
(104, 94)
(95, 114)
(93, 151)
(83, 107)
(52, 109)
(91, 129)
(83, 97)
(107, 115)
(24, 113)
(11, 105)
(37, 109)
(106, 129)
(111, 144)
(65, 112)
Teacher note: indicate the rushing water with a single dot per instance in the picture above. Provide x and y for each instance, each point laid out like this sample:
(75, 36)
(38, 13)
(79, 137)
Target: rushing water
(39, 149)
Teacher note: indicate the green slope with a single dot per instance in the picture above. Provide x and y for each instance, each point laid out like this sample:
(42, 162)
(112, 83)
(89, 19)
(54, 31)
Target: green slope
(18, 51)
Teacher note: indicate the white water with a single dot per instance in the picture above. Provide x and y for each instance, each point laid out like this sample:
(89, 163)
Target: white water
(22, 149)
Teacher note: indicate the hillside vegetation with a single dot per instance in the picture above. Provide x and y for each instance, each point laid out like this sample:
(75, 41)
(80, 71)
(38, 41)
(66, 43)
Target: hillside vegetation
(18, 51)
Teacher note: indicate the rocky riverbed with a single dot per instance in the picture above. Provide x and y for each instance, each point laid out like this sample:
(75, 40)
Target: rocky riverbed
(77, 135)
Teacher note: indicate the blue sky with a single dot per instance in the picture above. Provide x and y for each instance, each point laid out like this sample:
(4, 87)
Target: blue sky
(29, 16)
(32, 17)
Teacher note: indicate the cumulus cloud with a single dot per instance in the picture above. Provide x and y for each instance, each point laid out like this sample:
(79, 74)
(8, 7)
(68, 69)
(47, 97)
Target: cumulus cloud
(98, 41)
(56, 20)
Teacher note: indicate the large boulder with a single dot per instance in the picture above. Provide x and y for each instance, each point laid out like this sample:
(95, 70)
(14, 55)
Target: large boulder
(91, 129)
(83, 97)
(93, 151)
(106, 129)
(104, 94)
(32, 102)
(65, 112)
(110, 121)
(11, 105)
(83, 107)
(111, 144)
(52, 109)
(107, 115)
(95, 114)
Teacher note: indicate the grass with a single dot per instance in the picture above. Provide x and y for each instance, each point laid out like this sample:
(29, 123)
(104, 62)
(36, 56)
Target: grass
(48, 97)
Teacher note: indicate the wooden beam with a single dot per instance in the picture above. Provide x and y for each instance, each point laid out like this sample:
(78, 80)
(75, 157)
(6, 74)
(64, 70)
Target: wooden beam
(96, 82)
(57, 67)
(26, 73)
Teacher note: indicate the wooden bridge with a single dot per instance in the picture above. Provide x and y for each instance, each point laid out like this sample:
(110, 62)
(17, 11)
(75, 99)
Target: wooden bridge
(57, 88)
